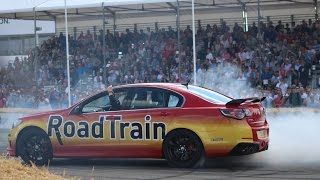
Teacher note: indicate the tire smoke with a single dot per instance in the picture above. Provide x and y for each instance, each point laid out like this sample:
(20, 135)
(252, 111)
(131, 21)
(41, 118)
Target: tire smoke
(227, 79)
(294, 133)
(294, 137)
(7, 119)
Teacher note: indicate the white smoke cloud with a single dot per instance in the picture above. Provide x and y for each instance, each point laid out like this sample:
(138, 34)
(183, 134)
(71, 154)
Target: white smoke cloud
(7, 119)
(294, 138)
(294, 135)
(224, 79)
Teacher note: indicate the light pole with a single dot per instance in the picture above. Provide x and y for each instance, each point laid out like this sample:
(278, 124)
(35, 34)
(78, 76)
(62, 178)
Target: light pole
(194, 46)
(36, 45)
(36, 40)
(67, 51)
(178, 34)
(316, 9)
(104, 44)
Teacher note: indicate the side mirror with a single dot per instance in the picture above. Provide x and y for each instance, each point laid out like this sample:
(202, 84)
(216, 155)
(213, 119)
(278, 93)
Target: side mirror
(76, 110)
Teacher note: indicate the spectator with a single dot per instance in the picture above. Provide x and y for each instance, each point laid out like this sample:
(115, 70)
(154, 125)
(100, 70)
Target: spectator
(266, 77)
(279, 100)
(54, 99)
(2, 100)
(284, 60)
(283, 86)
(294, 98)
(98, 80)
(304, 74)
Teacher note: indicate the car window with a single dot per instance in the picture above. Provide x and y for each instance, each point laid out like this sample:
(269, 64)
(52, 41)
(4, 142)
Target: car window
(101, 103)
(148, 98)
(121, 96)
(133, 98)
(209, 95)
(124, 96)
(173, 101)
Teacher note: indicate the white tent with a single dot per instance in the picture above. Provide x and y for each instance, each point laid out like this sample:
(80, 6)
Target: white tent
(49, 9)
(15, 6)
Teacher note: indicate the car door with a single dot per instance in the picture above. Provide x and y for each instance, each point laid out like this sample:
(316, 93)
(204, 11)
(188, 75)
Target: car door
(94, 133)
(144, 123)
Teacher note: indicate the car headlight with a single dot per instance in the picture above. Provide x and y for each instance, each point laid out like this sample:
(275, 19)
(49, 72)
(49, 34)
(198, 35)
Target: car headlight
(16, 123)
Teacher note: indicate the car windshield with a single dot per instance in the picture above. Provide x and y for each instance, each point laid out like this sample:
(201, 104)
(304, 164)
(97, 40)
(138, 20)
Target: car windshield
(208, 95)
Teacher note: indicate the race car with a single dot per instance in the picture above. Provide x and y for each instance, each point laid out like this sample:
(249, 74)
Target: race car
(182, 123)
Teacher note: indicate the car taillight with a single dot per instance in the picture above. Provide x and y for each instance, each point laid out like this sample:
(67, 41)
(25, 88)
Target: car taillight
(236, 113)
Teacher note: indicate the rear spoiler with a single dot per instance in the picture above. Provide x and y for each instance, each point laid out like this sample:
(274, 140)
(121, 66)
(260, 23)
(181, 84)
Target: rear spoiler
(240, 101)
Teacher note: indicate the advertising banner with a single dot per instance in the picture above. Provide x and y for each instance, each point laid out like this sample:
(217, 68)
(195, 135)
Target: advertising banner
(10, 27)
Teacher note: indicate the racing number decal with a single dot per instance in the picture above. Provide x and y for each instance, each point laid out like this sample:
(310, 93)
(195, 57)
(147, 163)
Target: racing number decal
(95, 130)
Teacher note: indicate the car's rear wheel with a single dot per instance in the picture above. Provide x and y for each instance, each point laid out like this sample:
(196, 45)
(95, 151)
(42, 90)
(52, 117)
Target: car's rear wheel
(34, 146)
(183, 149)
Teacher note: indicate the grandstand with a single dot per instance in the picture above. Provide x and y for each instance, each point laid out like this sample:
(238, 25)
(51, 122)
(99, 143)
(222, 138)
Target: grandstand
(125, 14)
(282, 65)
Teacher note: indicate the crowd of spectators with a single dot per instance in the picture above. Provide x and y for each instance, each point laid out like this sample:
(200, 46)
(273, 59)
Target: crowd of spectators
(278, 64)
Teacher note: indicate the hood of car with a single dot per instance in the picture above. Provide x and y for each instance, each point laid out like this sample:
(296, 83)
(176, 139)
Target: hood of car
(40, 115)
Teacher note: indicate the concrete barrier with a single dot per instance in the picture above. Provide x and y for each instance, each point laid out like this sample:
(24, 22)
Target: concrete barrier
(292, 110)
(3, 140)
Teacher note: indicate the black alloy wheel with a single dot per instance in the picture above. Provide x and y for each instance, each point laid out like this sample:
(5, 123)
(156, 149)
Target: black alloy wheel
(183, 149)
(34, 146)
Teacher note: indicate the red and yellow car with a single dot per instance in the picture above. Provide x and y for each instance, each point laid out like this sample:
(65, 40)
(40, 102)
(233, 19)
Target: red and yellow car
(185, 124)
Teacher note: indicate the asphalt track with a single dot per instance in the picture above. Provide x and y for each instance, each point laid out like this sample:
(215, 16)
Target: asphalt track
(245, 167)
(272, 164)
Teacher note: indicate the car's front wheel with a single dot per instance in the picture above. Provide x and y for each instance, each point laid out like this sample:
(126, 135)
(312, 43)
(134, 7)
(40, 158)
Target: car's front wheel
(183, 149)
(34, 146)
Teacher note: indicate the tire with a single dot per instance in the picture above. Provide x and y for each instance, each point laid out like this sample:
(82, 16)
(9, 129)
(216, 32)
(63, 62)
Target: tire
(183, 149)
(34, 146)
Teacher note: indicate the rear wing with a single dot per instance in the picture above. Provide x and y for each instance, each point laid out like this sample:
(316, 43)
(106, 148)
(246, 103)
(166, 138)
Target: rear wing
(240, 101)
